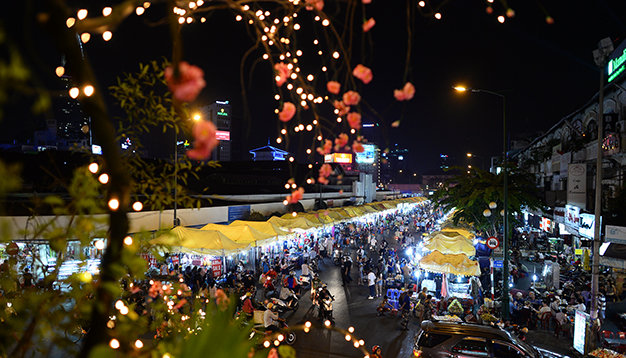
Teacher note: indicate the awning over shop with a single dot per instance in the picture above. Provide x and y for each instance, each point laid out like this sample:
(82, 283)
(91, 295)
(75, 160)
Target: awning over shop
(466, 233)
(450, 243)
(295, 222)
(458, 264)
(197, 241)
(262, 226)
(242, 234)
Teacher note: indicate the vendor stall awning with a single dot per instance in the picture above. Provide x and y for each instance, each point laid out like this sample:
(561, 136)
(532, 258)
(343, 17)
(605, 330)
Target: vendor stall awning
(450, 243)
(466, 233)
(197, 241)
(296, 222)
(262, 226)
(458, 264)
(242, 234)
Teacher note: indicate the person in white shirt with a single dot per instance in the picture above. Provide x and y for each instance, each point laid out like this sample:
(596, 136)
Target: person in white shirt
(305, 269)
(371, 282)
(271, 320)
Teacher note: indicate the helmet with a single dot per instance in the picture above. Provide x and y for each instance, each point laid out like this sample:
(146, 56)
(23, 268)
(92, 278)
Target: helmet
(270, 305)
(248, 294)
(375, 348)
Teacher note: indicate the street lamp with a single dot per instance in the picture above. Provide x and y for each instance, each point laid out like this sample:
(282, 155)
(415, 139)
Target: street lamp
(197, 116)
(505, 226)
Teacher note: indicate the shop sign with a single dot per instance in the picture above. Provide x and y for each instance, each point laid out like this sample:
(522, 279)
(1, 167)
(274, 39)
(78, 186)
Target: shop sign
(546, 224)
(216, 266)
(559, 215)
(341, 158)
(577, 185)
(222, 135)
(572, 216)
(587, 225)
(616, 234)
(580, 330)
(498, 264)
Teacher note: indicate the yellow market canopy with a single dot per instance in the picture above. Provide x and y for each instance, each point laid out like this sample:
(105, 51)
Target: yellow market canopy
(262, 226)
(296, 222)
(450, 243)
(464, 232)
(197, 241)
(241, 233)
(458, 264)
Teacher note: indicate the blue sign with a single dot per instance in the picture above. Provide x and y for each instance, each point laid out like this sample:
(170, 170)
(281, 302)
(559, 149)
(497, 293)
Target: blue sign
(497, 264)
(238, 212)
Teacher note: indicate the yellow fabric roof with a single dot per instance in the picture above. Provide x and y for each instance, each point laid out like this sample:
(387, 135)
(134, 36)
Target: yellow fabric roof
(333, 213)
(450, 243)
(369, 209)
(262, 226)
(458, 264)
(197, 241)
(464, 232)
(241, 234)
(389, 205)
(296, 222)
(313, 218)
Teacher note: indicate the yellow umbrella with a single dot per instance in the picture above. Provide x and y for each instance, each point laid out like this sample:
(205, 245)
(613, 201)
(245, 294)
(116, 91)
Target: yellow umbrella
(458, 264)
(450, 244)
(197, 241)
(241, 233)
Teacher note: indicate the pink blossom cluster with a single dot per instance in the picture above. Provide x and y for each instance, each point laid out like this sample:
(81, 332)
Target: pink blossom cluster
(295, 196)
(354, 120)
(188, 84)
(326, 148)
(341, 107)
(367, 25)
(363, 73)
(406, 93)
(324, 173)
(282, 73)
(341, 141)
(351, 98)
(315, 4)
(333, 87)
(204, 140)
(288, 111)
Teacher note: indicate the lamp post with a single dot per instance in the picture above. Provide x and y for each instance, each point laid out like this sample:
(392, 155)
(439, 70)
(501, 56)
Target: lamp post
(600, 55)
(505, 226)
(471, 156)
(196, 117)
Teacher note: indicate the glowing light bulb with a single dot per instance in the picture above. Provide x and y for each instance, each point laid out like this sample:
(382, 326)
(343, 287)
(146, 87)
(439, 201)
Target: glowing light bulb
(138, 344)
(139, 10)
(279, 140)
(311, 166)
(238, 17)
(114, 204)
(128, 241)
(296, 27)
(289, 86)
(81, 14)
(277, 97)
(60, 71)
(308, 151)
(114, 343)
(438, 16)
(421, 4)
(501, 19)
(310, 77)
(103, 178)
(309, 127)
(266, 344)
(325, 22)
(85, 37)
(348, 337)
(99, 245)
(324, 68)
(335, 55)
(266, 56)
(319, 137)
(189, 20)
(137, 206)
(107, 11)
(107, 35)
(294, 214)
(88, 90)
(93, 168)
(351, 329)
(338, 119)
(74, 92)
(181, 20)
(70, 22)
(283, 131)
(291, 159)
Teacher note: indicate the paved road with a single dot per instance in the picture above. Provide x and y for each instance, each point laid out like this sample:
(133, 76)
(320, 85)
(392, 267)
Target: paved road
(351, 308)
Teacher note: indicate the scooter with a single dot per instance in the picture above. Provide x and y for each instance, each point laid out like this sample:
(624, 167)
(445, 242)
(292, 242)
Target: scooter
(326, 309)
(259, 331)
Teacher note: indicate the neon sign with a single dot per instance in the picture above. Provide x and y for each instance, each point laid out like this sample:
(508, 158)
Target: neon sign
(616, 66)
(222, 135)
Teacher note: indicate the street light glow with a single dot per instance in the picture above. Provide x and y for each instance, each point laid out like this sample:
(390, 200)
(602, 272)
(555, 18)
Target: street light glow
(469, 155)
(197, 116)
(460, 88)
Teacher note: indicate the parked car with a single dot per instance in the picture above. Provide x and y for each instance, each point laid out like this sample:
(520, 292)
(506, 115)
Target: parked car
(463, 340)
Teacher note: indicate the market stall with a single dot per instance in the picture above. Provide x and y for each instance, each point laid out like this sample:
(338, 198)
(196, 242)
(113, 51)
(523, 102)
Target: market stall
(449, 243)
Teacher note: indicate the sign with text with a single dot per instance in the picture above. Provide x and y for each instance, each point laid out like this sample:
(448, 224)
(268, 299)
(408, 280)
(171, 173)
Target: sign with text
(341, 158)
(559, 215)
(572, 217)
(577, 185)
(580, 330)
(368, 155)
(222, 135)
(216, 267)
(239, 212)
(616, 234)
(546, 224)
(587, 225)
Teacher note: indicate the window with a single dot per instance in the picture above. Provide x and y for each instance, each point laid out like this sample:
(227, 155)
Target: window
(429, 340)
(506, 350)
(474, 347)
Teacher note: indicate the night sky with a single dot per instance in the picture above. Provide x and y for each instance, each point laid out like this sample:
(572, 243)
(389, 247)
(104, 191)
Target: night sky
(545, 71)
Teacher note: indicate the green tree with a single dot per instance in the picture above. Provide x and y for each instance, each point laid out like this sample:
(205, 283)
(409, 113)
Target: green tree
(469, 195)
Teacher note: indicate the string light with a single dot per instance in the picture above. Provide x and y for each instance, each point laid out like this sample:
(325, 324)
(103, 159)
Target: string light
(303, 103)
(338, 119)
(289, 86)
(501, 19)
(107, 11)
(283, 131)
(348, 338)
(99, 244)
(203, 19)
(114, 343)
(81, 14)
(60, 71)
(279, 140)
(138, 344)
(181, 20)
(70, 22)
(291, 159)
(325, 22)
(189, 20)
(147, 4)
(421, 3)
(296, 27)
(107, 35)
(103, 178)
(319, 137)
(266, 56)
(85, 37)
(128, 241)
(324, 68)
(335, 55)
(299, 53)
(114, 204)
(310, 77)
(438, 16)
(93, 168)
(351, 329)
(277, 97)
(88, 90)
(308, 151)
(74, 92)
(266, 344)
(294, 214)
(139, 10)
(310, 166)
(309, 127)
(320, 52)
(137, 206)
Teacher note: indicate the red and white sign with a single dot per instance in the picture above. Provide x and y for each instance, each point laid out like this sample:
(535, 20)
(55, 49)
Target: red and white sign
(493, 242)
(216, 266)
(222, 135)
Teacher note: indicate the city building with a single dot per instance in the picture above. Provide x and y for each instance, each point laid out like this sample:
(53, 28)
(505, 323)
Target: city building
(268, 153)
(220, 114)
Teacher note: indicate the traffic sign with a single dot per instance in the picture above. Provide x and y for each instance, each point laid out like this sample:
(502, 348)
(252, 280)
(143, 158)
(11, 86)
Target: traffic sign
(497, 263)
(12, 249)
(493, 242)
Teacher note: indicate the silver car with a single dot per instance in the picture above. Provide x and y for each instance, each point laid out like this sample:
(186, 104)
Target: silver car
(462, 340)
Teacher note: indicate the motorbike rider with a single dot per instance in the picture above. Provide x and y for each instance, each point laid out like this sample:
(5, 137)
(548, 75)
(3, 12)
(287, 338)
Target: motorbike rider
(377, 352)
(323, 295)
(271, 321)
(248, 306)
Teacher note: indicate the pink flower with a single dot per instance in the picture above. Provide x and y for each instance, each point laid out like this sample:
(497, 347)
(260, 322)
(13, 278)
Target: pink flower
(341, 107)
(354, 120)
(396, 124)
(357, 147)
(273, 353)
(322, 180)
(367, 1)
(341, 141)
(203, 133)
(289, 110)
(222, 299)
(351, 98)
(315, 4)
(406, 93)
(363, 73)
(188, 84)
(328, 146)
(333, 87)
(282, 73)
(295, 196)
(367, 25)
(325, 170)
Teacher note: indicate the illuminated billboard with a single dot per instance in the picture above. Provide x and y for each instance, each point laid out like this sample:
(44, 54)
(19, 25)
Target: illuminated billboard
(341, 158)
(367, 156)
(222, 135)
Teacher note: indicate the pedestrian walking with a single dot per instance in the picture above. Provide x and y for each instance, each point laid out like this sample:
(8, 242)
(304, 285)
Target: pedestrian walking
(379, 284)
(371, 282)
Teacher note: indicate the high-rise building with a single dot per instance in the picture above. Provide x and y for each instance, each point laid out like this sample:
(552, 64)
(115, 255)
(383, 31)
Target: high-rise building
(72, 125)
(444, 165)
(220, 113)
